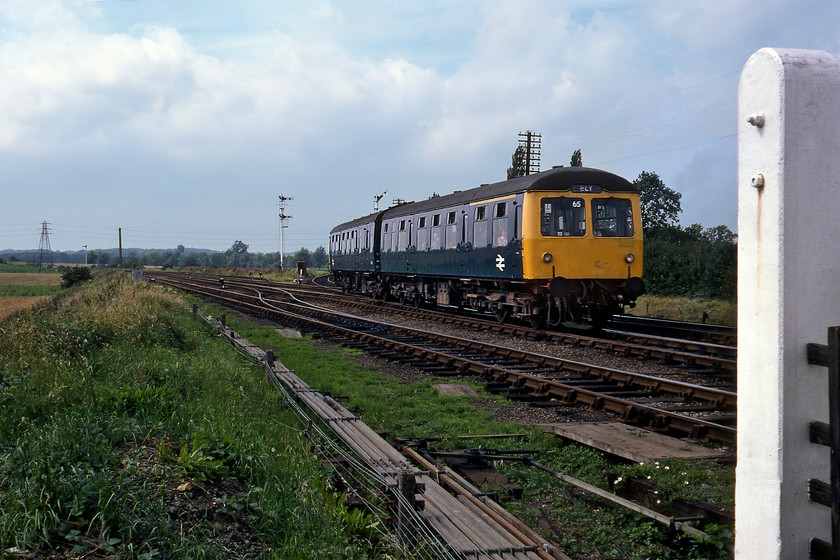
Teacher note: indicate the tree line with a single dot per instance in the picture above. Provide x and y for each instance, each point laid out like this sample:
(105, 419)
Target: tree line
(683, 261)
(237, 256)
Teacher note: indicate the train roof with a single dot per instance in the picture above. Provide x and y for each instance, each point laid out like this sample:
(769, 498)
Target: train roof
(557, 179)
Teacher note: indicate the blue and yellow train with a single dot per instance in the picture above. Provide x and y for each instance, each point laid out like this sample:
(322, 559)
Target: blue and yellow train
(564, 245)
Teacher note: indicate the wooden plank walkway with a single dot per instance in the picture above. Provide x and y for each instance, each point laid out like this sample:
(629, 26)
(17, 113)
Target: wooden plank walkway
(630, 442)
(455, 390)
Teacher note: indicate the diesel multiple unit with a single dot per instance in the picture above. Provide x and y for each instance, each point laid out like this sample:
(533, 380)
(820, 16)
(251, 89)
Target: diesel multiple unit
(561, 245)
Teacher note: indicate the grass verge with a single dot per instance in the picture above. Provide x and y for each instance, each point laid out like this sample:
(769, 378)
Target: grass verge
(718, 311)
(128, 429)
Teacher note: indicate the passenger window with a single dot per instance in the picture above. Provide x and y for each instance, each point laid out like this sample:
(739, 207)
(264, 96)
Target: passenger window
(480, 234)
(563, 217)
(451, 231)
(612, 217)
(422, 234)
(501, 230)
(402, 238)
(480, 213)
(386, 239)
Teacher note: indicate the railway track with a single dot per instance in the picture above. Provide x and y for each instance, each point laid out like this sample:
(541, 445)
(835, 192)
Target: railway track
(666, 405)
(701, 332)
(693, 356)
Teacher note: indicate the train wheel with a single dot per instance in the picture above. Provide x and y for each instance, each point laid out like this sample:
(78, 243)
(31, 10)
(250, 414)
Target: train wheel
(537, 320)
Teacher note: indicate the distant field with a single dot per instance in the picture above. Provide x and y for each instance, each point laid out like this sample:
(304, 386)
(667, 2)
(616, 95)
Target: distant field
(29, 279)
(11, 305)
(22, 290)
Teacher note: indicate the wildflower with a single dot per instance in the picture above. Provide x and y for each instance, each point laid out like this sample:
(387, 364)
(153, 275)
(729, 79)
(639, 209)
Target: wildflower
(648, 477)
(686, 483)
(667, 468)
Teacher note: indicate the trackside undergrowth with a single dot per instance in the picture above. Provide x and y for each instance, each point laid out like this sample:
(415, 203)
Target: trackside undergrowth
(129, 429)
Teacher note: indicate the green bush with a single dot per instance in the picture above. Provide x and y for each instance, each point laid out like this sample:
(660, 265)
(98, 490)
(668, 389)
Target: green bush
(75, 275)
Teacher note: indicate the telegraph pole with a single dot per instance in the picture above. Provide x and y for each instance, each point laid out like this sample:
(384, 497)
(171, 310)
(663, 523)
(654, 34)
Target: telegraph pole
(85, 247)
(532, 143)
(283, 225)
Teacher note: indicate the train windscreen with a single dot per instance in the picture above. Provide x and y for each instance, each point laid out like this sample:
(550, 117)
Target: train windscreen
(612, 217)
(563, 217)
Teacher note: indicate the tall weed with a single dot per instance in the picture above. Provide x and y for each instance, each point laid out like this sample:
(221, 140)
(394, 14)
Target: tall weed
(111, 396)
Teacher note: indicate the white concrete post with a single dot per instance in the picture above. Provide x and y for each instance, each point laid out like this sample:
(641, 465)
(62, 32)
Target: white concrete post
(788, 293)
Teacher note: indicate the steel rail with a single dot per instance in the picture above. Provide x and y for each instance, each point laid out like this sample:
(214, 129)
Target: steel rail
(716, 357)
(687, 353)
(631, 412)
(706, 332)
(725, 399)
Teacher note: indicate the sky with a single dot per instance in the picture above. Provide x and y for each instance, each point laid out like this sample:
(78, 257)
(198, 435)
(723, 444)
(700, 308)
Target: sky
(184, 122)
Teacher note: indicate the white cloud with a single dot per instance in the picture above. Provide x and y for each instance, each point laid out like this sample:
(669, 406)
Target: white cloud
(340, 100)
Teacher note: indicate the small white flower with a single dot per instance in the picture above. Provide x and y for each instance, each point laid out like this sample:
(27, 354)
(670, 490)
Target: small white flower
(667, 468)
(686, 483)
(648, 477)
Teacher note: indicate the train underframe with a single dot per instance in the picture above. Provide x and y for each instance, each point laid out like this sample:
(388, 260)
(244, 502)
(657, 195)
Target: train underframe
(539, 303)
